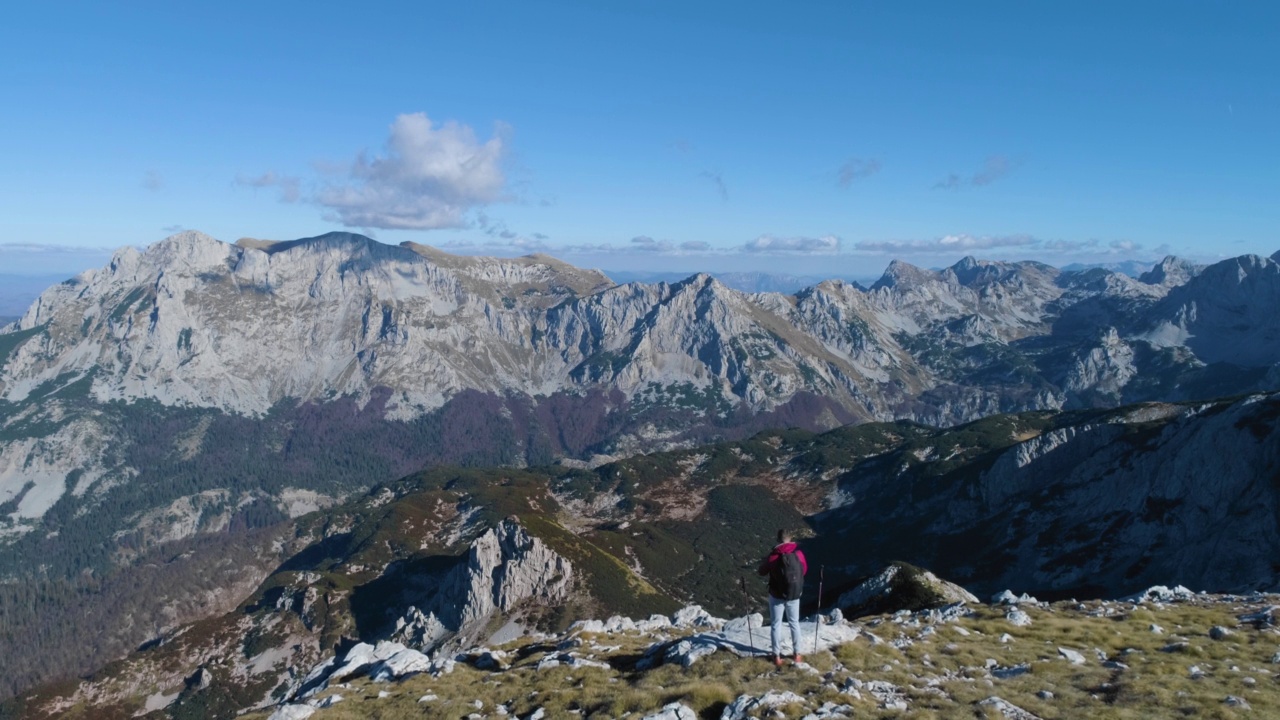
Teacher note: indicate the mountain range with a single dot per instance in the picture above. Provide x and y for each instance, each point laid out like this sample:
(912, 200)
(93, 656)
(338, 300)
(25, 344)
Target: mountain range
(163, 417)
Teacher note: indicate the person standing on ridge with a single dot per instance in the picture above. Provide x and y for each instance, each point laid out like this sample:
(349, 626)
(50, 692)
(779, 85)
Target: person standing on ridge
(786, 568)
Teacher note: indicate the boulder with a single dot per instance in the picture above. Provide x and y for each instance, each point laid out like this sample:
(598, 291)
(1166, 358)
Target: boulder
(1162, 594)
(693, 616)
(292, 712)
(751, 706)
(901, 586)
(1007, 709)
(673, 711)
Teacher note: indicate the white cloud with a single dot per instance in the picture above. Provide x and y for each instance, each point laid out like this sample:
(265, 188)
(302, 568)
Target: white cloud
(996, 167)
(946, 243)
(429, 178)
(827, 244)
(1024, 245)
(644, 243)
(290, 187)
(856, 169)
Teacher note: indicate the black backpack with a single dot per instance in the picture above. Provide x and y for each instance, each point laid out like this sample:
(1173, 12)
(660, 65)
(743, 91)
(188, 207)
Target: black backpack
(786, 578)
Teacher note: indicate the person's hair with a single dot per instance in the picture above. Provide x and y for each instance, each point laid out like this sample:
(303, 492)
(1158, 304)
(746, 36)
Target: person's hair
(784, 535)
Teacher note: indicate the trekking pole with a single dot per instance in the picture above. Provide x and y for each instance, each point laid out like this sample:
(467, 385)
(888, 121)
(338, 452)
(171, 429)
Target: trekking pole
(742, 583)
(817, 614)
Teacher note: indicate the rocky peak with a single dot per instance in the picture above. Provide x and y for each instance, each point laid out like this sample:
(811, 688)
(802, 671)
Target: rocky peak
(971, 271)
(1226, 313)
(506, 569)
(1171, 271)
(904, 274)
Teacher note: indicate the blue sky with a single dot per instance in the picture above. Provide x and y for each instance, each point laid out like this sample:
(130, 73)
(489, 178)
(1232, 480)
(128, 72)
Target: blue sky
(813, 138)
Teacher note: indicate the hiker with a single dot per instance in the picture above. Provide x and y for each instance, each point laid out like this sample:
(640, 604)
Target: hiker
(786, 568)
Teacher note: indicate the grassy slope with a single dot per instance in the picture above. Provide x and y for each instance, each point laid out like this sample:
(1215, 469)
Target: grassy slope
(943, 674)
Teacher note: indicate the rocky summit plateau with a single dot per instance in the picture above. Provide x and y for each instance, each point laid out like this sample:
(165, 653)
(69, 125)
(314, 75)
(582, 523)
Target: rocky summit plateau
(226, 465)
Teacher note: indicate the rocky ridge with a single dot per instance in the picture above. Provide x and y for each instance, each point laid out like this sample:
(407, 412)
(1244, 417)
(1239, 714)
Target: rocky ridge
(562, 363)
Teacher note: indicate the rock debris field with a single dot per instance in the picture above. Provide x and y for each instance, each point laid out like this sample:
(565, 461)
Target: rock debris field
(1161, 653)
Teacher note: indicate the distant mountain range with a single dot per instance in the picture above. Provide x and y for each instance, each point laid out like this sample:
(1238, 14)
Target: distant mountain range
(398, 357)
(1132, 268)
(188, 396)
(748, 282)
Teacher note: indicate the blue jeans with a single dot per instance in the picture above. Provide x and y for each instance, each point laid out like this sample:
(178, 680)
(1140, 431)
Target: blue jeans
(792, 608)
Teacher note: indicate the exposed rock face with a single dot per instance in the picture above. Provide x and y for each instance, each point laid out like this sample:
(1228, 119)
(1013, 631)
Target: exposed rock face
(1173, 271)
(1225, 314)
(506, 568)
(901, 587)
(1130, 500)
(195, 322)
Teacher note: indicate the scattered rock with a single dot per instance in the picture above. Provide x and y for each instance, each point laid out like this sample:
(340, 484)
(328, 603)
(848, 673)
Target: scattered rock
(831, 711)
(1005, 673)
(1018, 618)
(1263, 618)
(1071, 656)
(1045, 694)
(1235, 701)
(1218, 632)
(1156, 629)
(674, 711)
(402, 664)
(617, 624)
(744, 623)
(1176, 647)
(693, 616)
(1160, 593)
(1006, 597)
(889, 695)
(292, 712)
(748, 706)
(1008, 709)
(568, 659)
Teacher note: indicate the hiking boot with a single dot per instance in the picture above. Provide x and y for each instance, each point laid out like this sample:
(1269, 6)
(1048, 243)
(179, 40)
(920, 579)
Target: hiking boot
(777, 660)
(797, 658)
